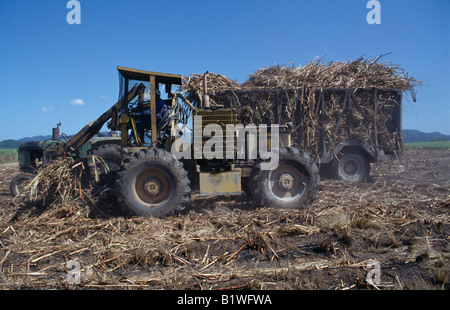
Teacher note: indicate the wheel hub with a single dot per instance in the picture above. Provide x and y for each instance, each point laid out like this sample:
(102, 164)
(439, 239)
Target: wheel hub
(153, 187)
(286, 181)
(350, 167)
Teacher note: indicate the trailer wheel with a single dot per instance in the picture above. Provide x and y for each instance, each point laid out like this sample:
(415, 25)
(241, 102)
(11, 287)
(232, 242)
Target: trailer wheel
(352, 167)
(18, 183)
(294, 184)
(152, 183)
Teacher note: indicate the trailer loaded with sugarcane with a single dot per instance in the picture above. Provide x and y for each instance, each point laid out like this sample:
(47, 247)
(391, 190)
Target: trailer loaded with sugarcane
(346, 115)
(344, 129)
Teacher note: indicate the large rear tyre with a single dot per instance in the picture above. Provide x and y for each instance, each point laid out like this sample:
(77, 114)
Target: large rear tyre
(294, 184)
(152, 183)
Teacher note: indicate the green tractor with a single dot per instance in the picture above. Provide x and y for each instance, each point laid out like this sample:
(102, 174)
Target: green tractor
(170, 149)
(34, 154)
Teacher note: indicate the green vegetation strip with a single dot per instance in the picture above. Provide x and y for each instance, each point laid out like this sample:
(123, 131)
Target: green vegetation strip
(435, 145)
(8, 156)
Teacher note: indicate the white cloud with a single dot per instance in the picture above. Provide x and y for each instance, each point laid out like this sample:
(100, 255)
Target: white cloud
(47, 109)
(77, 102)
(104, 97)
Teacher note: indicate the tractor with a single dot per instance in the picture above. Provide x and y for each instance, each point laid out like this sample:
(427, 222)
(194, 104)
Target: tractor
(171, 149)
(33, 155)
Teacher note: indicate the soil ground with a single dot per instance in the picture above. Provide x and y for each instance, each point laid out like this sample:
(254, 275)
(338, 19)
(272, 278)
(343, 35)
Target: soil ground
(399, 220)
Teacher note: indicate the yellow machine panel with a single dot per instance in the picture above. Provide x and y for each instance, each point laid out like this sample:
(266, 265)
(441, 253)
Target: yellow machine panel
(220, 183)
(219, 116)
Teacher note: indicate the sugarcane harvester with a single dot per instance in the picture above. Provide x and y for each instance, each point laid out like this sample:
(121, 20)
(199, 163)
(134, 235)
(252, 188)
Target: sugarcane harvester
(156, 170)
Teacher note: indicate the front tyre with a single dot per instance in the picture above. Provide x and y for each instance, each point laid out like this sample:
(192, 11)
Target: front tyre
(152, 183)
(18, 184)
(293, 184)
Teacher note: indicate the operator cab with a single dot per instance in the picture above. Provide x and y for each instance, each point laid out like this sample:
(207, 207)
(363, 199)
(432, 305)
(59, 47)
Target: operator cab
(147, 101)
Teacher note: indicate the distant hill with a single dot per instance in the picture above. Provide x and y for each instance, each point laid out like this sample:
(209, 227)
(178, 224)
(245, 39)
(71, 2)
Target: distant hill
(35, 138)
(410, 136)
(9, 144)
(14, 144)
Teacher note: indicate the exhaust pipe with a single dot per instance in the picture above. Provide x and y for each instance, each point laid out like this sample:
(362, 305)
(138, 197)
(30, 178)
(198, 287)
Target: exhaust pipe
(205, 100)
(55, 132)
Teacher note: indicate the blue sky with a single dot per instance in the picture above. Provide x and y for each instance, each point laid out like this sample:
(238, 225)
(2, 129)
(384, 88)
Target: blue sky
(52, 71)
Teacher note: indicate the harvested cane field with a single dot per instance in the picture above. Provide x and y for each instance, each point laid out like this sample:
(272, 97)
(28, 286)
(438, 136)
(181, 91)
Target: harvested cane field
(400, 219)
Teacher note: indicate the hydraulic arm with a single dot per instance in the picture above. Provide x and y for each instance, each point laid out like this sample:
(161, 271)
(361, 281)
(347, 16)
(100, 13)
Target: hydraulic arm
(96, 125)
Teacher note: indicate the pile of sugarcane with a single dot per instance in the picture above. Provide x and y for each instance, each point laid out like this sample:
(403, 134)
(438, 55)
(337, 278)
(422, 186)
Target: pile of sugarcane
(65, 180)
(360, 73)
(193, 86)
(300, 88)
